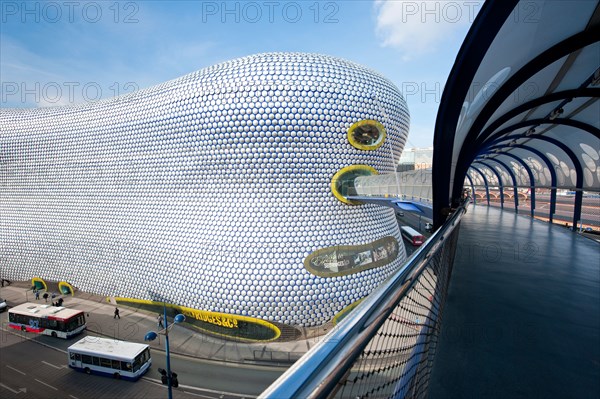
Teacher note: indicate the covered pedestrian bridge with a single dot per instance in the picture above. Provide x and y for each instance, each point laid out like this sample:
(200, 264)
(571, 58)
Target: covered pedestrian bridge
(519, 122)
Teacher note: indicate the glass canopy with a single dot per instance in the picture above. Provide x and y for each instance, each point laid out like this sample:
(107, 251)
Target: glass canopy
(520, 113)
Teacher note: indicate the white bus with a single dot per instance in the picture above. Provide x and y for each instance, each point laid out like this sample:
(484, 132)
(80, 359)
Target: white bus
(56, 321)
(104, 356)
(412, 235)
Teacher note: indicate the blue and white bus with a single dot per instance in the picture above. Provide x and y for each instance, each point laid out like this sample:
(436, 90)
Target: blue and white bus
(110, 357)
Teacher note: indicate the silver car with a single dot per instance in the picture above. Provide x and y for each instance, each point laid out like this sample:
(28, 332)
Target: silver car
(3, 306)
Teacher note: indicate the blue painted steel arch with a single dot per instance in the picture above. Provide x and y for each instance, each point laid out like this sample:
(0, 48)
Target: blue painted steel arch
(487, 186)
(531, 178)
(576, 164)
(514, 179)
(562, 95)
(472, 188)
(498, 136)
(483, 31)
(579, 179)
(500, 184)
(553, 178)
(573, 43)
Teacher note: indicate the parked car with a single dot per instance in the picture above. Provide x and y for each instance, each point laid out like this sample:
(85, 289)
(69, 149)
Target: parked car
(3, 305)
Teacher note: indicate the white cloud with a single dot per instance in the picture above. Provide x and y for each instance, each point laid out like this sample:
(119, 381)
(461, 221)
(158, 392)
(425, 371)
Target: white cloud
(420, 27)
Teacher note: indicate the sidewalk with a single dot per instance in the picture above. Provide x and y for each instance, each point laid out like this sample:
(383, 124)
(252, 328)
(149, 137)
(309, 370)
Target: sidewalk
(134, 324)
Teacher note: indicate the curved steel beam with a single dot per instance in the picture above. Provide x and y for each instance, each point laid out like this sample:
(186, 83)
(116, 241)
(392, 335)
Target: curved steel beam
(500, 184)
(496, 137)
(553, 178)
(579, 173)
(531, 178)
(514, 180)
(467, 152)
(561, 95)
(472, 188)
(484, 29)
(487, 186)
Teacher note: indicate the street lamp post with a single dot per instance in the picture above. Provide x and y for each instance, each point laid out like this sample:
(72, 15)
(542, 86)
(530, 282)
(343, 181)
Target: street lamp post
(152, 335)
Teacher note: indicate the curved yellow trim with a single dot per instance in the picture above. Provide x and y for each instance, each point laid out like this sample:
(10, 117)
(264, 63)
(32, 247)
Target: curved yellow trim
(360, 146)
(342, 172)
(204, 315)
(65, 284)
(344, 312)
(371, 255)
(36, 279)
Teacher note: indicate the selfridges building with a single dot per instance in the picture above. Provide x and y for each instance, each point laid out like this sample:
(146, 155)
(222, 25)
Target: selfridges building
(222, 193)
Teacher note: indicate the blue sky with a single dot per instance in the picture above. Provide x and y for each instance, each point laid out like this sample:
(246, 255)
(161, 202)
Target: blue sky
(58, 53)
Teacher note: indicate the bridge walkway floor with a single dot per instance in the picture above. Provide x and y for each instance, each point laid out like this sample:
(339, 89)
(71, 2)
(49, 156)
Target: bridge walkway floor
(522, 318)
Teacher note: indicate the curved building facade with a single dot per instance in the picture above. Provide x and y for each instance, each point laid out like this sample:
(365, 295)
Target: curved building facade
(213, 191)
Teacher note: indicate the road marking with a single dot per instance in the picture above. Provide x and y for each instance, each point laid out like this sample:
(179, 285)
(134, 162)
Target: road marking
(201, 396)
(10, 389)
(30, 339)
(24, 390)
(18, 371)
(51, 365)
(187, 388)
(74, 397)
(49, 386)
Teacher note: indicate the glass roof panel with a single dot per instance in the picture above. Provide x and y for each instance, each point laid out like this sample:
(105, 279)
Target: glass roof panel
(515, 43)
(533, 55)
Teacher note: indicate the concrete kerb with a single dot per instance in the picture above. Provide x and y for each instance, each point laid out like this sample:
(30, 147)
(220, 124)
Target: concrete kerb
(135, 323)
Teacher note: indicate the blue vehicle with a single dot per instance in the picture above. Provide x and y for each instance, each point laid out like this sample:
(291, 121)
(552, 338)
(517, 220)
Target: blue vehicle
(110, 357)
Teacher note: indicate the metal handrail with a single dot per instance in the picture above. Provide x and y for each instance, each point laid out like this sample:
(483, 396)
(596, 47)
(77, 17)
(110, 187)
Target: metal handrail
(318, 372)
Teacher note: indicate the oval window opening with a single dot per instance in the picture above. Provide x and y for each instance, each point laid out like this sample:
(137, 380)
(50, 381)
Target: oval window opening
(342, 183)
(366, 135)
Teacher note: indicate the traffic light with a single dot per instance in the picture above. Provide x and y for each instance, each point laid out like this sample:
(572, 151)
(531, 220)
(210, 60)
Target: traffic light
(165, 380)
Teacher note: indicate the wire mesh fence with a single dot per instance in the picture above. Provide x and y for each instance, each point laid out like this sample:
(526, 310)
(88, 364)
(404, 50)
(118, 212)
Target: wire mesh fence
(386, 346)
(398, 360)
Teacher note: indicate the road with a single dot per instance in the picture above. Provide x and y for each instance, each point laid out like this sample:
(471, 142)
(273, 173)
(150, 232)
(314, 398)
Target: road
(30, 370)
(218, 378)
(34, 366)
(415, 221)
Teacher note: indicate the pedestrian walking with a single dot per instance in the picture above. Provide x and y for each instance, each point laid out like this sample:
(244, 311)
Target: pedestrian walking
(45, 296)
(160, 321)
(116, 316)
(37, 295)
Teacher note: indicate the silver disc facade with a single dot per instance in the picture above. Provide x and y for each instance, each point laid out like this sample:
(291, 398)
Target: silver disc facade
(209, 191)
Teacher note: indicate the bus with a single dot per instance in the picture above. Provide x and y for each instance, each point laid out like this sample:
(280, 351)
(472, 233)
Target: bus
(56, 321)
(412, 235)
(110, 357)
